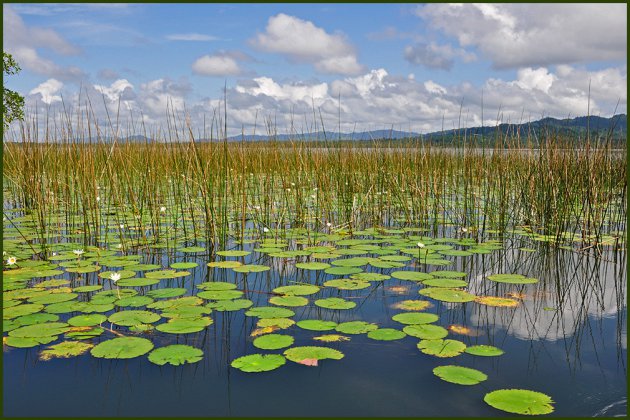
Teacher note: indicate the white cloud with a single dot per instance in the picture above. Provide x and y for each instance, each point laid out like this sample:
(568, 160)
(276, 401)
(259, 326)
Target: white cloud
(539, 78)
(48, 90)
(301, 41)
(531, 35)
(216, 65)
(294, 92)
(115, 90)
(435, 88)
(191, 37)
(24, 42)
(436, 56)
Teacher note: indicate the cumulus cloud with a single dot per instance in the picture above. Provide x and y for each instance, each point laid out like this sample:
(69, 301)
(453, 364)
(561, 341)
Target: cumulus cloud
(24, 42)
(531, 35)
(47, 91)
(120, 89)
(216, 65)
(436, 56)
(303, 42)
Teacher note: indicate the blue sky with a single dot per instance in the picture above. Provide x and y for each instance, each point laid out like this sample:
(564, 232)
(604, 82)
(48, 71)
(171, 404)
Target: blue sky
(406, 65)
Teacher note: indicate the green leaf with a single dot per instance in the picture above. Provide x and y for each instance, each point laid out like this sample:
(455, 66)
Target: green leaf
(258, 362)
(270, 312)
(317, 325)
(370, 277)
(216, 285)
(220, 294)
(459, 375)
(122, 348)
(225, 264)
(273, 341)
(27, 342)
(166, 274)
(233, 253)
(312, 266)
(447, 295)
(445, 282)
(129, 318)
(252, 268)
(230, 305)
(343, 271)
(347, 284)
(448, 274)
(512, 279)
(411, 275)
(176, 355)
(426, 331)
(412, 305)
(299, 354)
(297, 290)
(45, 329)
(355, 327)
(87, 320)
(137, 282)
(184, 265)
(351, 262)
(520, 401)
(184, 325)
(288, 300)
(65, 349)
(166, 293)
(386, 334)
(335, 303)
(442, 348)
(134, 301)
(413, 318)
(484, 350)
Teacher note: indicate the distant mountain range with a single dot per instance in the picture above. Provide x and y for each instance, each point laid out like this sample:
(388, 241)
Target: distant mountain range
(617, 126)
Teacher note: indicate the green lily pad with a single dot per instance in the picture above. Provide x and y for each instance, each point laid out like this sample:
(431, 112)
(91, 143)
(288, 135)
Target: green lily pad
(355, 327)
(137, 282)
(84, 333)
(122, 348)
(411, 275)
(220, 294)
(167, 293)
(512, 279)
(442, 348)
(484, 350)
(343, 271)
(44, 329)
(351, 262)
(230, 305)
(414, 318)
(166, 274)
(233, 253)
(312, 266)
(445, 282)
(370, 277)
(129, 318)
(176, 355)
(192, 249)
(174, 303)
(27, 342)
(448, 274)
(347, 284)
(460, 375)
(335, 303)
(225, 264)
(216, 285)
(426, 331)
(386, 334)
(65, 349)
(297, 290)
(252, 268)
(300, 354)
(184, 265)
(184, 311)
(124, 274)
(270, 312)
(317, 325)
(53, 283)
(273, 341)
(386, 264)
(53, 298)
(184, 325)
(288, 300)
(87, 320)
(258, 362)
(36, 318)
(447, 295)
(143, 267)
(282, 323)
(134, 301)
(520, 401)
(86, 289)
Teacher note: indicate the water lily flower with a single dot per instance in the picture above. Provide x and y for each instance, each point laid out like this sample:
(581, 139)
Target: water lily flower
(115, 277)
(328, 224)
(163, 209)
(421, 245)
(265, 230)
(464, 230)
(11, 260)
(78, 252)
(98, 198)
(122, 226)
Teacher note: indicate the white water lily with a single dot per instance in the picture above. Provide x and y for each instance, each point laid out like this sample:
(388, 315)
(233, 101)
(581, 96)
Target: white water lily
(78, 252)
(122, 226)
(98, 198)
(115, 277)
(329, 224)
(421, 245)
(163, 209)
(464, 230)
(11, 260)
(265, 230)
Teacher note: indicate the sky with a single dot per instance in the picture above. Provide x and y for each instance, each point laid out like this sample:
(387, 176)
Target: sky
(354, 67)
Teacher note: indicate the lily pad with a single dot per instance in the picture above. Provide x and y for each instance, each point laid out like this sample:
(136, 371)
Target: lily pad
(87, 320)
(460, 375)
(520, 401)
(184, 266)
(484, 350)
(252, 268)
(86, 289)
(497, 301)
(52, 298)
(411, 275)
(343, 271)
(233, 253)
(166, 274)
(512, 279)
(65, 349)
(317, 325)
(447, 295)
(312, 266)
(137, 282)
(230, 305)
(216, 285)
(176, 355)
(258, 362)
(192, 249)
(220, 294)
(273, 341)
(448, 274)
(129, 318)
(351, 262)
(442, 348)
(355, 327)
(370, 277)
(134, 301)
(299, 354)
(288, 300)
(386, 334)
(331, 338)
(414, 318)
(412, 305)
(347, 284)
(270, 312)
(44, 329)
(167, 293)
(122, 348)
(184, 325)
(225, 264)
(282, 323)
(445, 282)
(426, 331)
(27, 342)
(297, 290)
(335, 303)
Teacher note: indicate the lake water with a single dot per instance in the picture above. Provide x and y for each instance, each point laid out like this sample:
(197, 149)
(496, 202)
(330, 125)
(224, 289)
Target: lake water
(566, 338)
